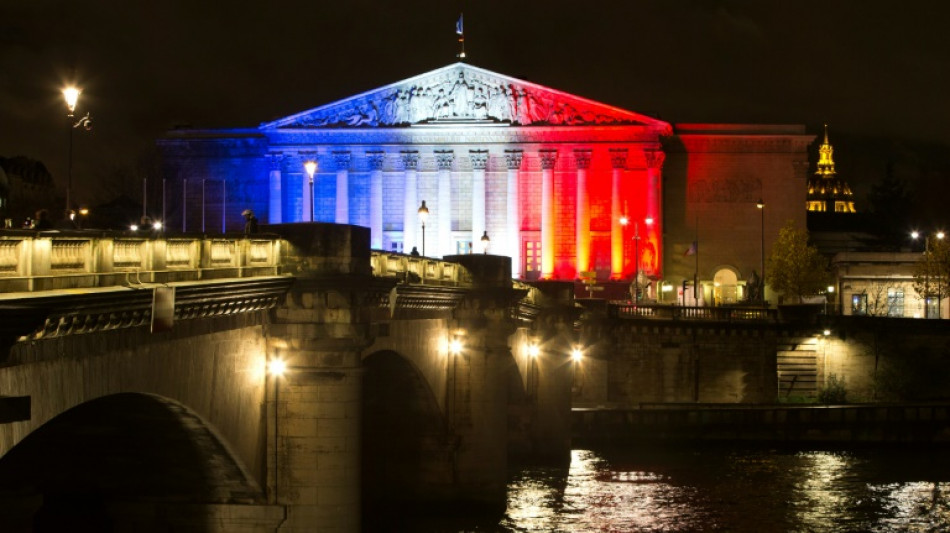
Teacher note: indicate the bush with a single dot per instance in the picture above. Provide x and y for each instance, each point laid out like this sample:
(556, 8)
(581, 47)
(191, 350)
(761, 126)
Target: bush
(834, 391)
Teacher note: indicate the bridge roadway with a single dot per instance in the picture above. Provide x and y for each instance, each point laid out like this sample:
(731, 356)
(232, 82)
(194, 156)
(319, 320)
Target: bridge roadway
(135, 393)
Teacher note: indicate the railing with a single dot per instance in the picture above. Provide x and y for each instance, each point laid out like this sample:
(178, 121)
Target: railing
(419, 269)
(38, 261)
(619, 309)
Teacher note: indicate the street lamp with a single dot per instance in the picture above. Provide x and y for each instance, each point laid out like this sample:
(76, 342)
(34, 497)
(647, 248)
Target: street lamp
(71, 95)
(939, 235)
(761, 206)
(311, 168)
(636, 258)
(485, 240)
(423, 217)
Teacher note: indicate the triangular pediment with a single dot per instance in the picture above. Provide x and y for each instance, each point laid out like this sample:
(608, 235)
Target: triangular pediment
(462, 94)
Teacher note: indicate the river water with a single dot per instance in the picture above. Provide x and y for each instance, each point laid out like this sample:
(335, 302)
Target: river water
(720, 489)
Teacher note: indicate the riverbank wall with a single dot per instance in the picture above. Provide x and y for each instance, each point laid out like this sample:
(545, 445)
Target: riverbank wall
(832, 424)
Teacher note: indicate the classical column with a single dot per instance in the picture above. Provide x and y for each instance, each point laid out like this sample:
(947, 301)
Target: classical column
(548, 214)
(513, 220)
(275, 203)
(410, 214)
(654, 160)
(342, 160)
(479, 160)
(444, 160)
(583, 212)
(618, 159)
(376, 199)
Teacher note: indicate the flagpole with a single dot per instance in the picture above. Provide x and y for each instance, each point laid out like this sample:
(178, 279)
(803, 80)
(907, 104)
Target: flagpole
(460, 31)
(696, 270)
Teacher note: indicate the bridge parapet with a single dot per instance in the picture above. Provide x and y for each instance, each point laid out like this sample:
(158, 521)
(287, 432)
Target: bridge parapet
(40, 261)
(421, 269)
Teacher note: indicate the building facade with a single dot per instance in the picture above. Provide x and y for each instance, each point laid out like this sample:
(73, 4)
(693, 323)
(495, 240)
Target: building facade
(566, 186)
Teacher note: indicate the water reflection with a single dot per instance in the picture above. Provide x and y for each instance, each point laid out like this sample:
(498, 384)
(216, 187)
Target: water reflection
(729, 490)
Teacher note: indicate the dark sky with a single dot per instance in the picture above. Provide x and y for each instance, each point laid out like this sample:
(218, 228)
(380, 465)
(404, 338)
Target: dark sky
(878, 72)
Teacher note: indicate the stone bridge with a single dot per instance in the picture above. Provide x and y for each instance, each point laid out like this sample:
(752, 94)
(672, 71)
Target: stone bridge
(285, 381)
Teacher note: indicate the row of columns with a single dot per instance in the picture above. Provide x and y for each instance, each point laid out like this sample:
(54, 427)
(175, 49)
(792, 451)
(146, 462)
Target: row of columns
(479, 159)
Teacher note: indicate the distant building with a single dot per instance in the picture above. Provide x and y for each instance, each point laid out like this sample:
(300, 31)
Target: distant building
(882, 284)
(827, 192)
(25, 186)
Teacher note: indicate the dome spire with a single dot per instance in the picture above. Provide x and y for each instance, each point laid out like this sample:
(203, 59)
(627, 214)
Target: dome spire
(826, 162)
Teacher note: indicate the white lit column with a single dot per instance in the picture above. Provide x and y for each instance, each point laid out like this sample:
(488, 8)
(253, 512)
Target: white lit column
(618, 159)
(654, 160)
(410, 216)
(375, 199)
(479, 160)
(582, 214)
(513, 219)
(275, 203)
(444, 209)
(342, 160)
(548, 214)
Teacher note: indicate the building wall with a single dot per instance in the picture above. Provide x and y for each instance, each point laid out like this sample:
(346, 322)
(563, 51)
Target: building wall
(715, 175)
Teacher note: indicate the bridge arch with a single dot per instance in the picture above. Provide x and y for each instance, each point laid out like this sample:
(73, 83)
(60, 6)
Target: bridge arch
(112, 462)
(406, 443)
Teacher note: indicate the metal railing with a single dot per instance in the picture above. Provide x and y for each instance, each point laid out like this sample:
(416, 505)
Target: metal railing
(39, 261)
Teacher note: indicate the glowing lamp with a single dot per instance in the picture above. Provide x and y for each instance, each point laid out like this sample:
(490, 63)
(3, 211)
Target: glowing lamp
(276, 367)
(311, 168)
(534, 350)
(134, 227)
(577, 355)
(455, 346)
(71, 94)
(157, 225)
(485, 241)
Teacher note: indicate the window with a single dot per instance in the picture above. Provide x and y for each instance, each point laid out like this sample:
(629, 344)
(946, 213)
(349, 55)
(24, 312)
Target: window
(895, 302)
(463, 247)
(532, 259)
(396, 246)
(859, 304)
(932, 308)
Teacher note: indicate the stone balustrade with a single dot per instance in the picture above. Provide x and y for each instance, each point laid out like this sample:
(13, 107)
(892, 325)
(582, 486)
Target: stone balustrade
(677, 312)
(427, 270)
(38, 261)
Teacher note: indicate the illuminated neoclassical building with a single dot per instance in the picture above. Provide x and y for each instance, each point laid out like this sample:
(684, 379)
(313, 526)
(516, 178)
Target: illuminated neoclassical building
(562, 184)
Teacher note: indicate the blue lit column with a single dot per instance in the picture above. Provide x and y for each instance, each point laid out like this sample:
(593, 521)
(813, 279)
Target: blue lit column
(275, 204)
(342, 160)
(444, 210)
(376, 199)
(479, 162)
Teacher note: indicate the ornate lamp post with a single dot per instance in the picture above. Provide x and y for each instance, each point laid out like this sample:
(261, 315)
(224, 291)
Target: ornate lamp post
(423, 218)
(71, 95)
(761, 206)
(311, 168)
(485, 241)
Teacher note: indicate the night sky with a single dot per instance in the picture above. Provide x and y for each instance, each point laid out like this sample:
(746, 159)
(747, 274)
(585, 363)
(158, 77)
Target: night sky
(877, 72)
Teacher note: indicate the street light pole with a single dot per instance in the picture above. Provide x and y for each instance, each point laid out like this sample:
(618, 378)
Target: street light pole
(71, 94)
(636, 260)
(311, 167)
(423, 217)
(761, 206)
(940, 235)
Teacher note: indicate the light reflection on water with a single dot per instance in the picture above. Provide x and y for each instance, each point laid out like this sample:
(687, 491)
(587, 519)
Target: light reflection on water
(723, 490)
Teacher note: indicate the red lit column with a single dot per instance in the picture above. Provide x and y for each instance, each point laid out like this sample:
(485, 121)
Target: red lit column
(513, 220)
(654, 160)
(342, 160)
(618, 159)
(582, 215)
(548, 222)
(276, 200)
(376, 199)
(410, 213)
(479, 162)
(444, 209)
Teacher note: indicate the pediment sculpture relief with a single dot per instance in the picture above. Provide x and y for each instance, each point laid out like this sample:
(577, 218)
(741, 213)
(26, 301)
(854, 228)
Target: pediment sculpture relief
(458, 96)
